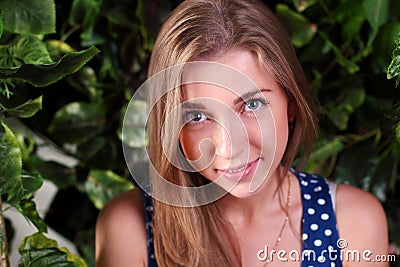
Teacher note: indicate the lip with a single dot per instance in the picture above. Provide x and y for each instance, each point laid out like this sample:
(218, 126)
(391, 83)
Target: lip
(239, 173)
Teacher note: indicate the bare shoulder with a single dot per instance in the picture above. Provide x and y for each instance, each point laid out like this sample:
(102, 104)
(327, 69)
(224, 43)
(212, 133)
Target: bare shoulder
(355, 205)
(361, 222)
(120, 232)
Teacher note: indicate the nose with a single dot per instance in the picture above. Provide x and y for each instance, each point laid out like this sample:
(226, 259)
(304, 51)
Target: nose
(222, 141)
(229, 139)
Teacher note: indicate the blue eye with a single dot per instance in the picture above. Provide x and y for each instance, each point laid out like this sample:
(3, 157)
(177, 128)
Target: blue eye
(194, 117)
(254, 104)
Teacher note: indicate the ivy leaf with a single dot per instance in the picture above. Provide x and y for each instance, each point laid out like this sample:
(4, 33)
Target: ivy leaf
(77, 122)
(101, 186)
(11, 165)
(28, 16)
(37, 251)
(301, 30)
(46, 74)
(25, 110)
(394, 67)
(28, 210)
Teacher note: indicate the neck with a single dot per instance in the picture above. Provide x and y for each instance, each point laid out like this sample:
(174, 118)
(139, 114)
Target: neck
(269, 200)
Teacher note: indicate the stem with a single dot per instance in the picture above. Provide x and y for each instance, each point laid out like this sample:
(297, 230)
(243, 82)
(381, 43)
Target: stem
(4, 262)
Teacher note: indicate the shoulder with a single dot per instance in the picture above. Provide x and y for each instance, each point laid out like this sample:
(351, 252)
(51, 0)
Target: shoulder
(120, 232)
(361, 220)
(356, 205)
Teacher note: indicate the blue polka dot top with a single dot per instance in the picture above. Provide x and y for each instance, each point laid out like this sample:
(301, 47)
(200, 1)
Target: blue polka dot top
(321, 243)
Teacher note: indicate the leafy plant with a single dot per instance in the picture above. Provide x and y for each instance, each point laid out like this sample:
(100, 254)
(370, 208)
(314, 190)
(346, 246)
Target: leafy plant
(348, 49)
(24, 58)
(345, 48)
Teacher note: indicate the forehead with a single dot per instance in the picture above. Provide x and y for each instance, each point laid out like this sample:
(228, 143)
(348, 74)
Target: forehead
(231, 75)
(202, 90)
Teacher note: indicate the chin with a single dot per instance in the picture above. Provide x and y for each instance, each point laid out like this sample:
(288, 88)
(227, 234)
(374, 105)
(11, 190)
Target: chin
(242, 191)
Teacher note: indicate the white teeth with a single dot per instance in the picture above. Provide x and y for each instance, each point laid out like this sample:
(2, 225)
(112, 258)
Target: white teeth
(238, 170)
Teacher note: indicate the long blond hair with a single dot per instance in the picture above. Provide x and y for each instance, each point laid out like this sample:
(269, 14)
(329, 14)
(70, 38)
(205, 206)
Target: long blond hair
(202, 30)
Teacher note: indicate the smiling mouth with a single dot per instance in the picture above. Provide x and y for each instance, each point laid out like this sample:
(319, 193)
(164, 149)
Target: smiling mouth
(240, 172)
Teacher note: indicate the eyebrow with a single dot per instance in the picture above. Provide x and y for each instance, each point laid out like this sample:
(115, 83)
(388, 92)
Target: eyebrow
(248, 95)
(200, 106)
(191, 105)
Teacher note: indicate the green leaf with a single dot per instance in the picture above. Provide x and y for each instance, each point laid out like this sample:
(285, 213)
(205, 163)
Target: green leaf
(376, 12)
(302, 5)
(43, 75)
(31, 183)
(349, 65)
(78, 122)
(1, 22)
(133, 133)
(58, 48)
(11, 165)
(350, 16)
(25, 110)
(28, 210)
(340, 113)
(37, 251)
(327, 150)
(91, 148)
(397, 132)
(356, 165)
(78, 261)
(85, 14)
(28, 16)
(394, 67)
(24, 50)
(59, 174)
(301, 30)
(383, 43)
(101, 186)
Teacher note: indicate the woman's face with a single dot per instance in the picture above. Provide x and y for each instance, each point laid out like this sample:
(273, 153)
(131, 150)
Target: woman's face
(235, 138)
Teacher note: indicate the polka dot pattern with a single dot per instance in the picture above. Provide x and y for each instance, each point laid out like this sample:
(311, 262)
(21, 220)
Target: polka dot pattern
(148, 215)
(319, 222)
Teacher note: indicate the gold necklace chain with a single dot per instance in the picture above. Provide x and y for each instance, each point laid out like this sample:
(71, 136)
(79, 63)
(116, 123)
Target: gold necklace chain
(278, 240)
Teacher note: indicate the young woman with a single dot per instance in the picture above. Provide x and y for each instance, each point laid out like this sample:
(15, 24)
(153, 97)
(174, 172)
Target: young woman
(243, 140)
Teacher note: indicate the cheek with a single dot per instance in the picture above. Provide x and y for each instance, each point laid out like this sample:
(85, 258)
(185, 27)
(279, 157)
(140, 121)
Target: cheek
(197, 148)
(269, 134)
(190, 143)
(262, 131)
(282, 132)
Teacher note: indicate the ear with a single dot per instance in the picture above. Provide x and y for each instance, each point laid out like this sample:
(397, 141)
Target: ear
(291, 110)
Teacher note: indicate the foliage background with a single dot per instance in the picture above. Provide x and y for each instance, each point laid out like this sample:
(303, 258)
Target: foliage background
(345, 47)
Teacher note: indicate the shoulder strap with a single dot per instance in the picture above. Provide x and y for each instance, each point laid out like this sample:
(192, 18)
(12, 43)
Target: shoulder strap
(148, 215)
(320, 235)
(332, 191)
